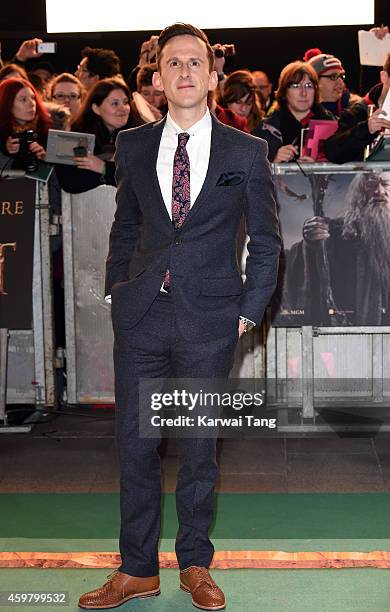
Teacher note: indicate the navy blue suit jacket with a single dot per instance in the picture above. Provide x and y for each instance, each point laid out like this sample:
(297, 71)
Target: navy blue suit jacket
(205, 281)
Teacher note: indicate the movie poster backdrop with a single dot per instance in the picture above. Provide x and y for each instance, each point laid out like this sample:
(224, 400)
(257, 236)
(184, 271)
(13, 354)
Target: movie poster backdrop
(17, 213)
(335, 268)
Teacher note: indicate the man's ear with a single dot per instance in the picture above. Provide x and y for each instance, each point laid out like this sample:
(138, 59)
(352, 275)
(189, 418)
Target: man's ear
(157, 81)
(213, 80)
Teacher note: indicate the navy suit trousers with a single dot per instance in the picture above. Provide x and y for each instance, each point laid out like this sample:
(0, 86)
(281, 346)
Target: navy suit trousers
(154, 348)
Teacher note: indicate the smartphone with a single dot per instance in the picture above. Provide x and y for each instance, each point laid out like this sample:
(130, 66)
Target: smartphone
(80, 151)
(47, 47)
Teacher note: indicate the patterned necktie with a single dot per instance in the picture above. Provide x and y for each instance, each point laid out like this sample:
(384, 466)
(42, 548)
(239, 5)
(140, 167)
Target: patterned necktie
(181, 202)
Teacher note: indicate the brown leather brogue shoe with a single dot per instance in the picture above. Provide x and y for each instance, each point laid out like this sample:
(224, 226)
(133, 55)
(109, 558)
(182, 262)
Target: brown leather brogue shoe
(206, 595)
(118, 589)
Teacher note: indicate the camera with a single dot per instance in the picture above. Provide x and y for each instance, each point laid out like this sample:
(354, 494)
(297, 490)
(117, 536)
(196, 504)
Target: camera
(224, 50)
(80, 151)
(47, 47)
(149, 49)
(28, 159)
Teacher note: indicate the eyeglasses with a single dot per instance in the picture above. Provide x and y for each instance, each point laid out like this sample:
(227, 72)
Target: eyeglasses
(62, 97)
(307, 86)
(334, 76)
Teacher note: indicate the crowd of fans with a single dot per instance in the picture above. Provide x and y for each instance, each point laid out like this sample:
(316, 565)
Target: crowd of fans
(98, 99)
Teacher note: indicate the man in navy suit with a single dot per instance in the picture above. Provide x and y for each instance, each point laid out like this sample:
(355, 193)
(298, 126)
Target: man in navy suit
(178, 301)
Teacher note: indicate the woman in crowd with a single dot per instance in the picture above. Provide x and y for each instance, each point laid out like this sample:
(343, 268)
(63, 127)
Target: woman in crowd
(297, 102)
(105, 111)
(66, 89)
(239, 95)
(14, 71)
(24, 123)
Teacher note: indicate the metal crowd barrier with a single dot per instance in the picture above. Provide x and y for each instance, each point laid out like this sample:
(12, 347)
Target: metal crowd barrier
(306, 367)
(86, 223)
(345, 369)
(27, 356)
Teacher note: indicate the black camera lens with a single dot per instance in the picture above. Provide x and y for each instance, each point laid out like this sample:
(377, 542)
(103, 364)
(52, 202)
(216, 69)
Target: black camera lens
(31, 136)
(27, 159)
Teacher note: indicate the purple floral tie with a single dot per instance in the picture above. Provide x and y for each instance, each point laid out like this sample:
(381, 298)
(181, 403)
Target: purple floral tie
(181, 202)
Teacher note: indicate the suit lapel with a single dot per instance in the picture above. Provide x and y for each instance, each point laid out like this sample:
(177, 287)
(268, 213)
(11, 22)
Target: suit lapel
(152, 145)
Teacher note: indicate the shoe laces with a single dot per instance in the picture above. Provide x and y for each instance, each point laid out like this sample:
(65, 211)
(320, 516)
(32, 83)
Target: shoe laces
(114, 576)
(110, 576)
(205, 576)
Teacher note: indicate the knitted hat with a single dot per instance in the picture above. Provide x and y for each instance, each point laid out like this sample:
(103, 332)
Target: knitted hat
(323, 62)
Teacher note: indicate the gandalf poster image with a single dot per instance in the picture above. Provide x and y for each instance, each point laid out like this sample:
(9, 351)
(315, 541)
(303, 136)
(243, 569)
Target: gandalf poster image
(336, 266)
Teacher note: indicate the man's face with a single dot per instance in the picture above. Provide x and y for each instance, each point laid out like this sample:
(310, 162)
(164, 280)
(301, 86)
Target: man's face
(87, 78)
(263, 84)
(382, 196)
(331, 85)
(154, 96)
(376, 193)
(184, 73)
(43, 74)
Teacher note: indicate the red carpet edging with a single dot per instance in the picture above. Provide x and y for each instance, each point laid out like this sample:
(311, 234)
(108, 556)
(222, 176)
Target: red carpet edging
(224, 559)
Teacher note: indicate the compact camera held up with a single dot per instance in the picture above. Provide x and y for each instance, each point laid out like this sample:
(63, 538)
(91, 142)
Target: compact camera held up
(28, 159)
(148, 50)
(224, 50)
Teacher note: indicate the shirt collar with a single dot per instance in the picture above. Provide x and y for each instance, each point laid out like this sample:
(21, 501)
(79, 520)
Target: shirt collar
(203, 124)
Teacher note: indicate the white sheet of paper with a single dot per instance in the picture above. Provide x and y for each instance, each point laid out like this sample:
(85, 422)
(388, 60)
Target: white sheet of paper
(372, 50)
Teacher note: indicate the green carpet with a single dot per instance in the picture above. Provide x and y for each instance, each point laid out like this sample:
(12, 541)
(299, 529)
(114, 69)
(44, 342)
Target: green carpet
(291, 522)
(239, 516)
(345, 590)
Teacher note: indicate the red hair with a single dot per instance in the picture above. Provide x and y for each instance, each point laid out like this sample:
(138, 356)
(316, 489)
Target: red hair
(8, 90)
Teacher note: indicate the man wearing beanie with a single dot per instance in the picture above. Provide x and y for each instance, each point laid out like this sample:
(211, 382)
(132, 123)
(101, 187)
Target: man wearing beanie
(334, 96)
(357, 127)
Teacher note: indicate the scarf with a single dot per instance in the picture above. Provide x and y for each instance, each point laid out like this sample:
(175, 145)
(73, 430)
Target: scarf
(19, 127)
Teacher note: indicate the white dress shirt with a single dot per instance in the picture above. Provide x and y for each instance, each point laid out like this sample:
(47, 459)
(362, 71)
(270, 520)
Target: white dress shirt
(198, 149)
